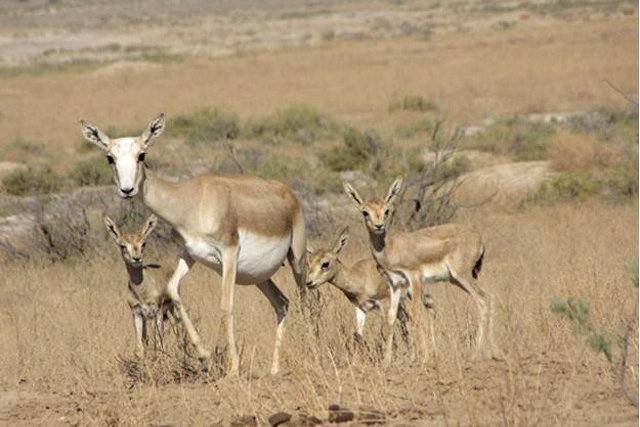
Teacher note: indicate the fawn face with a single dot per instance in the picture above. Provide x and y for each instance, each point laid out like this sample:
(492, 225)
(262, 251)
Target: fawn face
(323, 264)
(377, 214)
(131, 244)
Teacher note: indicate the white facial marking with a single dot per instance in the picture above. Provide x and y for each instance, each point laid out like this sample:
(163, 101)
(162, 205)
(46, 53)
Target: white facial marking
(125, 152)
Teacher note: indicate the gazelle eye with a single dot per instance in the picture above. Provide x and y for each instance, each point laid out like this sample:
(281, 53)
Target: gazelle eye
(386, 213)
(110, 160)
(141, 157)
(325, 265)
(123, 247)
(365, 213)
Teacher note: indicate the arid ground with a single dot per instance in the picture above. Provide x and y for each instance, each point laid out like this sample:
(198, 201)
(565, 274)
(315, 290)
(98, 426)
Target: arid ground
(544, 94)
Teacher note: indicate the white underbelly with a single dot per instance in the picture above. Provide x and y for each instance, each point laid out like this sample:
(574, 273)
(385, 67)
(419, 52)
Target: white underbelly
(259, 256)
(434, 273)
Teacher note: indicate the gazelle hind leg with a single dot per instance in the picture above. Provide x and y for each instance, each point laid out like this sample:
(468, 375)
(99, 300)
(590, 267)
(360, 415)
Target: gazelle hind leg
(280, 304)
(184, 265)
(297, 255)
(480, 297)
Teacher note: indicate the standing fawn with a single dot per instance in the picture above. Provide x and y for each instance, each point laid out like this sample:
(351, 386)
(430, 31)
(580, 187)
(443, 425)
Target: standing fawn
(449, 252)
(361, 283)
(145, 301)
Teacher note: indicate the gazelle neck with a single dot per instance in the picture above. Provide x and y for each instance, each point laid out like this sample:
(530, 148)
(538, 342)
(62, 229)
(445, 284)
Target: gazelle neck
(159, 195)
(341, 280)
(136, 274)
(377, 241)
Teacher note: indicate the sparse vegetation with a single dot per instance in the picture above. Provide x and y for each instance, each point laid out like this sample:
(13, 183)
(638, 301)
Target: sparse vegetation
(32, 182)
(518, 137)
(299, 124)
(93, 171)
(202, 126)
(413, 129)
(413, 103)
(358, 151)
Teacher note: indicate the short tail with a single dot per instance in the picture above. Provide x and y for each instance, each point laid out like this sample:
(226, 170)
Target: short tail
(478, 266)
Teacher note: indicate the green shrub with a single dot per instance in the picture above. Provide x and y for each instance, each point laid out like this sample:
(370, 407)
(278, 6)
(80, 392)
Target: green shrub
(358, 151)
(599, 344)
(206, 125)
(32, 182)
(300, 124)
(522, 139)
(94, 171)
(413, 129)
(413, 103)
(573, 308)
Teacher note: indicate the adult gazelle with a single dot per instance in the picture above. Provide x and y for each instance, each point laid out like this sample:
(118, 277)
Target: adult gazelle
(241, 226)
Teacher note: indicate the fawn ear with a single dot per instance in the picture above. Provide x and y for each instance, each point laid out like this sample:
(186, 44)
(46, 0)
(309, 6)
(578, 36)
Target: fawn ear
(154, 129)
(342, 241)
(94, 135)
(353, 194)
(112, 228)
(149, 226)
(394, 190)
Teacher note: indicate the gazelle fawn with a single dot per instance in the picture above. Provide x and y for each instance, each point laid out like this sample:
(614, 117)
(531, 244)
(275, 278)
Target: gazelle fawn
(451, 252)
(146, 302)
(361, 283)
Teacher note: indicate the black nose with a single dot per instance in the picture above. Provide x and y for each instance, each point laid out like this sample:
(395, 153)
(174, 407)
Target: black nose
(379, 226)
(137, 259)
(126, 190)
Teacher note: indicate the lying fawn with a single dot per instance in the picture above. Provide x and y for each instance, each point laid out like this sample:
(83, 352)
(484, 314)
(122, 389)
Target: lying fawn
(145, 301)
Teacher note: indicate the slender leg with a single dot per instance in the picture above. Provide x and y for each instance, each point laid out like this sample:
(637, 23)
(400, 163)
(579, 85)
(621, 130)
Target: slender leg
(159, 327)
(427, 302)
(184, 265)
(394, 301)
(229, 269)
(280, 304)
(361, 318)
(138, 324)
(480, 297)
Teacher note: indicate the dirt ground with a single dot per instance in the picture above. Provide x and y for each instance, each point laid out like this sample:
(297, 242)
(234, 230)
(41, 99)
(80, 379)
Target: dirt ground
(65, 329)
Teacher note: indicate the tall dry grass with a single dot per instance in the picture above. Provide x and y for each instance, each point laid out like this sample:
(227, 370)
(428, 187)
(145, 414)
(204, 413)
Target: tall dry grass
(67, 338)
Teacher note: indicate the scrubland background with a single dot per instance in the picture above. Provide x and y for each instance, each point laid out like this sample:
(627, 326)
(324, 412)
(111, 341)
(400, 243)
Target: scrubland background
(544, 95)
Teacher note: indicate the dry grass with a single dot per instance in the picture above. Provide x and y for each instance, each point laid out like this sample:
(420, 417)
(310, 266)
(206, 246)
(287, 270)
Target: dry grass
(67, 340)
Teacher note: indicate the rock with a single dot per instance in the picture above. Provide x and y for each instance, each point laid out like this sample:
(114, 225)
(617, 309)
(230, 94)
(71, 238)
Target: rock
(338, 414)
(279, 418)
(245, 420)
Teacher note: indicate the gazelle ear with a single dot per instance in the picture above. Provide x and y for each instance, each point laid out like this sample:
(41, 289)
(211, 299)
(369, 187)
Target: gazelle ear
(149, 226)
(353, 194)
(94, 135)
(394, 190)
(154, 129)
(342, 241)
(112, 228)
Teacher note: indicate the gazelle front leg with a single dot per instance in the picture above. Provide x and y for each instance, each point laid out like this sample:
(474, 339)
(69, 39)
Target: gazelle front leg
(184, 265)
(361, 318)
(138, 324)
(229, 269)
